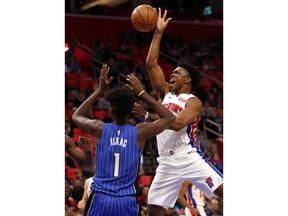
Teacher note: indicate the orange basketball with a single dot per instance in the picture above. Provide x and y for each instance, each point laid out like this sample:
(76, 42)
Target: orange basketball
(144, 18)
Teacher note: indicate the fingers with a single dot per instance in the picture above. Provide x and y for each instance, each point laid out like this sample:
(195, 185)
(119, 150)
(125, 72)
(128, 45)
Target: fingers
(104, 71)
(165, 14)
(131, 78)
(128, 86)
(110, 80)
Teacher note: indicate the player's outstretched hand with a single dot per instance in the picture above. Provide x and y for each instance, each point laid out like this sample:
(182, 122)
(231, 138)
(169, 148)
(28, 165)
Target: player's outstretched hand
(162, 21)
(104, 82)
(135, 84)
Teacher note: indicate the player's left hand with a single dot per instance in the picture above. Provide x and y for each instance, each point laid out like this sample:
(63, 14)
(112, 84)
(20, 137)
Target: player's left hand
(104, 82)
(135, 84)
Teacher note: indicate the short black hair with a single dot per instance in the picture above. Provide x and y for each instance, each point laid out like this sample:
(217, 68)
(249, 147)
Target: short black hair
(121, 101)
(193, 71)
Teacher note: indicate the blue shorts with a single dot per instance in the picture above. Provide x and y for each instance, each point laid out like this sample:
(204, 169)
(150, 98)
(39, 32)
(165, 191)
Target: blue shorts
(107, 205)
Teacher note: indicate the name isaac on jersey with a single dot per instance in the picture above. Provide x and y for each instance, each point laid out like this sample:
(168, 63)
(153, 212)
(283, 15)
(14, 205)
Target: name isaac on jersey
(116, 141)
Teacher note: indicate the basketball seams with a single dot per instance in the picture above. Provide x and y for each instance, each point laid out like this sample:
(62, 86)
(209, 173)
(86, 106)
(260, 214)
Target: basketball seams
(142, 20)
(147, 12)
(141, 17)
(155, 15)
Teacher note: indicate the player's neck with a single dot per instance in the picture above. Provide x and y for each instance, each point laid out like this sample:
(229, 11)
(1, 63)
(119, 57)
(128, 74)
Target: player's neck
(121, 121)
(183, 90)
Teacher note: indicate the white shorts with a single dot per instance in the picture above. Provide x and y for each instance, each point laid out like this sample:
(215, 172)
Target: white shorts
(174, 170)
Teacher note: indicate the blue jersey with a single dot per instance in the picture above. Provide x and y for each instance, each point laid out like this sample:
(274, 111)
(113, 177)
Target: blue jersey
(117, 158)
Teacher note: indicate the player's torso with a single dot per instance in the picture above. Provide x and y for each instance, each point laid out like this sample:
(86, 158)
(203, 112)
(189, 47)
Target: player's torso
(170, 139)
(116, 160)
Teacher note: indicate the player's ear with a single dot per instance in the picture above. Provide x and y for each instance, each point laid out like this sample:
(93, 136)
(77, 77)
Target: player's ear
(188, 80)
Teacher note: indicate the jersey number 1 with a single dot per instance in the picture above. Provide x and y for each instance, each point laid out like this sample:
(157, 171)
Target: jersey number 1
(116, 164)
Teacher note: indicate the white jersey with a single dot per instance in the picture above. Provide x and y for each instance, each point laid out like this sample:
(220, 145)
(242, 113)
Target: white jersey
(89, 186)
(170, 141)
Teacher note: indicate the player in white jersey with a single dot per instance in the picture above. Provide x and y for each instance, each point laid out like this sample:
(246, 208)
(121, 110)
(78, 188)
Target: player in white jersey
(192, 199)
(180, 158)
(87, 191)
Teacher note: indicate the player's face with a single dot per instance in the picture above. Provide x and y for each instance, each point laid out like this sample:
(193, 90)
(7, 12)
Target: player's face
(177, 79)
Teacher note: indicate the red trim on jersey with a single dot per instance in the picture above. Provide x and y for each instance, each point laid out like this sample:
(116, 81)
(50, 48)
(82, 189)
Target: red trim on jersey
(189, 200)
(182, 99)
(193, 130)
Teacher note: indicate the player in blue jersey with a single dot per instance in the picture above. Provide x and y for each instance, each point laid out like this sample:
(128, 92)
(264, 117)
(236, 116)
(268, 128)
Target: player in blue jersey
(180, 157)
(120, 144)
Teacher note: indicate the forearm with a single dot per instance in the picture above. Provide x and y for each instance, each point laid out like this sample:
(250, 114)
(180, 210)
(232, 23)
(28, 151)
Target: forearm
(156, 106)
(183, 202)
(89, 162)
(153, 53)
(155, 72)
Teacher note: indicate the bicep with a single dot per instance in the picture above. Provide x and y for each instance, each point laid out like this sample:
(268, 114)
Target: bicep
(90, 126)
(191, 112)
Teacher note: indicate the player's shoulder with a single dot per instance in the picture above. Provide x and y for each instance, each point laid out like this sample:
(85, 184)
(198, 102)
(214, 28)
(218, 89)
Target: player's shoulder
(194, 101)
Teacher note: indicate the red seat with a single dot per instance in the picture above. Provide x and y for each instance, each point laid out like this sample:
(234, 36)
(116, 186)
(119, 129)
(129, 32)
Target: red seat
(145, 180)
(100, 114)
(84, 76)
(71, 173)
(72, 83)
(71, 76)
(77, 132)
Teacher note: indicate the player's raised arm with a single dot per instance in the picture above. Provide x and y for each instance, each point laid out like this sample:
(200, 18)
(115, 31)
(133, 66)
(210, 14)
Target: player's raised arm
(156, 127)
(92, 126)
(155, 72)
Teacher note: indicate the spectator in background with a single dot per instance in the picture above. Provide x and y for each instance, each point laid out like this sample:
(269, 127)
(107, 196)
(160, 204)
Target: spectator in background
(213, 207)
(103, 103)
(207, 111)
(209, 151)
(73, 66)
(217, 162)
(78, 190)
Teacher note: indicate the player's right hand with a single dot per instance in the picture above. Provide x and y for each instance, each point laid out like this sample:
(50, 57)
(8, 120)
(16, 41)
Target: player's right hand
(162, 23)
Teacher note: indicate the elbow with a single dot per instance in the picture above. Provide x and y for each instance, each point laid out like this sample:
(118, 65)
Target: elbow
(176, 127)
(74, 118)
(173, 118)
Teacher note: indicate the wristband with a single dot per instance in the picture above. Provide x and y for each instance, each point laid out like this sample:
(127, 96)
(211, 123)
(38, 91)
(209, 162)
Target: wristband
(146, 116)
(141, 93)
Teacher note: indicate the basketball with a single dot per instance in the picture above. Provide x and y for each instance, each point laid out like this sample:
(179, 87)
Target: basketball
(144, 18)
